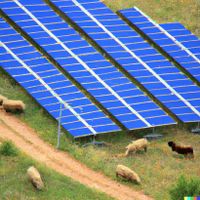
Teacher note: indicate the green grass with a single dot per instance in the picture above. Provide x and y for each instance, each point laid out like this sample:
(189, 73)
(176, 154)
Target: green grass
(185, 188)
(8, 149)
(159, 168)
(14, 184)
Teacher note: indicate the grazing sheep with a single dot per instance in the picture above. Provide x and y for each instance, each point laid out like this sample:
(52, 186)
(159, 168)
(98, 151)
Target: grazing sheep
(127, 174)
(185, 150)
(13, 106)
(35, 178)
(137, 145)
(2, 99)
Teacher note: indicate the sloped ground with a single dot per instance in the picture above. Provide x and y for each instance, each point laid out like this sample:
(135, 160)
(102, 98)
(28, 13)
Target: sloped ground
(27, 140)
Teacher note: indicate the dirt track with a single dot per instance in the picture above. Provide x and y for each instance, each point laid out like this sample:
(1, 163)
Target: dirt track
(28, 141)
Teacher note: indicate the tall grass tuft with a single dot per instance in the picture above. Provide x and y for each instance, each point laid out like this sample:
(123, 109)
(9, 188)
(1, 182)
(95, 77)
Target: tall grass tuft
(184, 188)
(7, 148)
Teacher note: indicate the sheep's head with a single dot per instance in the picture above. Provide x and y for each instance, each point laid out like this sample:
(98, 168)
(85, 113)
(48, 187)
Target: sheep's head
(171, 144)
(38, 184)
(138, 180)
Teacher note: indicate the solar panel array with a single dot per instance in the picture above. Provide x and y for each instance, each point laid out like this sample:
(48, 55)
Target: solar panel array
(185, 37)
(142, 61)
(166, 37)
(113, 90)
(49, 87)
(110, 87)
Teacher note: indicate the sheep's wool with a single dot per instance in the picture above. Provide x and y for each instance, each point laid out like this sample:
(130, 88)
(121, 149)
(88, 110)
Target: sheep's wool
(35, 178)
(127, 173)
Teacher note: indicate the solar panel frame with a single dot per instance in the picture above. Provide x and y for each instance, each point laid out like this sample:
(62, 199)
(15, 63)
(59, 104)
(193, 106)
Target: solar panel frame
(95, 120)
(125, 117)
(96, 28)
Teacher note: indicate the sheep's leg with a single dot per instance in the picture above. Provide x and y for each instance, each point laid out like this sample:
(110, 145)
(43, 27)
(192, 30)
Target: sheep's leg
(191, 155)
(19, 111)
(145, 149)
(186, 156)
(117, 175)
(7, 110)
(127, 152)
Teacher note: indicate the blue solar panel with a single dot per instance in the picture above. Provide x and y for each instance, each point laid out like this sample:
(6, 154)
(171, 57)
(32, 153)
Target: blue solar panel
(134, 54)
(174, 39)
(86, 65)
(49, 87)
(185, 37)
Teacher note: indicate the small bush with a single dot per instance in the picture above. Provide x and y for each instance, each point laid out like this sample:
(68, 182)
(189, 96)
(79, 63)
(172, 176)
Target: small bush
(185, 188)
(7, 148)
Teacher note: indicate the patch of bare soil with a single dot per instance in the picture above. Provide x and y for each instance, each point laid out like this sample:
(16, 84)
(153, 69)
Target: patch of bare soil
(28, 141)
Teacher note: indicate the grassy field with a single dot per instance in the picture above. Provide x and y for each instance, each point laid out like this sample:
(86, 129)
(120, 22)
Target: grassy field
(159, 168)
(14, 184)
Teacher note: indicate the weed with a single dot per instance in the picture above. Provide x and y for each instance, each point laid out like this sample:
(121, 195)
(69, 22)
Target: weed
(185, 188)
(8, 149)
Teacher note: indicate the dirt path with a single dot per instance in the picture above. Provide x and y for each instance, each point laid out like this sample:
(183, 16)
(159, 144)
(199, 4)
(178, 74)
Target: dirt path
(28, 141)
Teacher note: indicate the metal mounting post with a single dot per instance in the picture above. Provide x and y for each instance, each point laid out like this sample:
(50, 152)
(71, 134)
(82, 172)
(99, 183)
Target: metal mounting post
(153, 135)
(197, 129)
(95, 143)
(59, 126)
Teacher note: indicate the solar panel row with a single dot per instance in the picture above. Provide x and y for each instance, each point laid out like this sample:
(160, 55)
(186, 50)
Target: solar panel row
(185, 37)
(135, 55)
(49, 87)
(110, 87)
(168, 40)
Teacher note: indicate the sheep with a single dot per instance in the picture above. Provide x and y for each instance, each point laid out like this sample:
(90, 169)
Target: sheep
(13, 106)
(185, 150)
(137, 145)
(127, 174)
(35, 178)
(2, 99)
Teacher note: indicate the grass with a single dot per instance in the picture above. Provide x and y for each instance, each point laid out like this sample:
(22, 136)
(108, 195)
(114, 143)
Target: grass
(159, 168)
(184, 188)
(8, 149)
(184, 11)
(15, 185)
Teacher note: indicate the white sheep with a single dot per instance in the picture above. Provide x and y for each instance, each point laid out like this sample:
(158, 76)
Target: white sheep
(13, 106)
(127, 174)
(137, 145)
(2, 99)
(35, 178)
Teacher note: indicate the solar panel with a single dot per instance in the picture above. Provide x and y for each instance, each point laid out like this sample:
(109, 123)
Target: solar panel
(49, 87)
(168, 41)
(185, 38)
(124, 100)
(135, 55)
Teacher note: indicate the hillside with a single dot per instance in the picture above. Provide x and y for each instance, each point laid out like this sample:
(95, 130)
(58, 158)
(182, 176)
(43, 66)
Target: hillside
(14, 183)
(159, 168)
